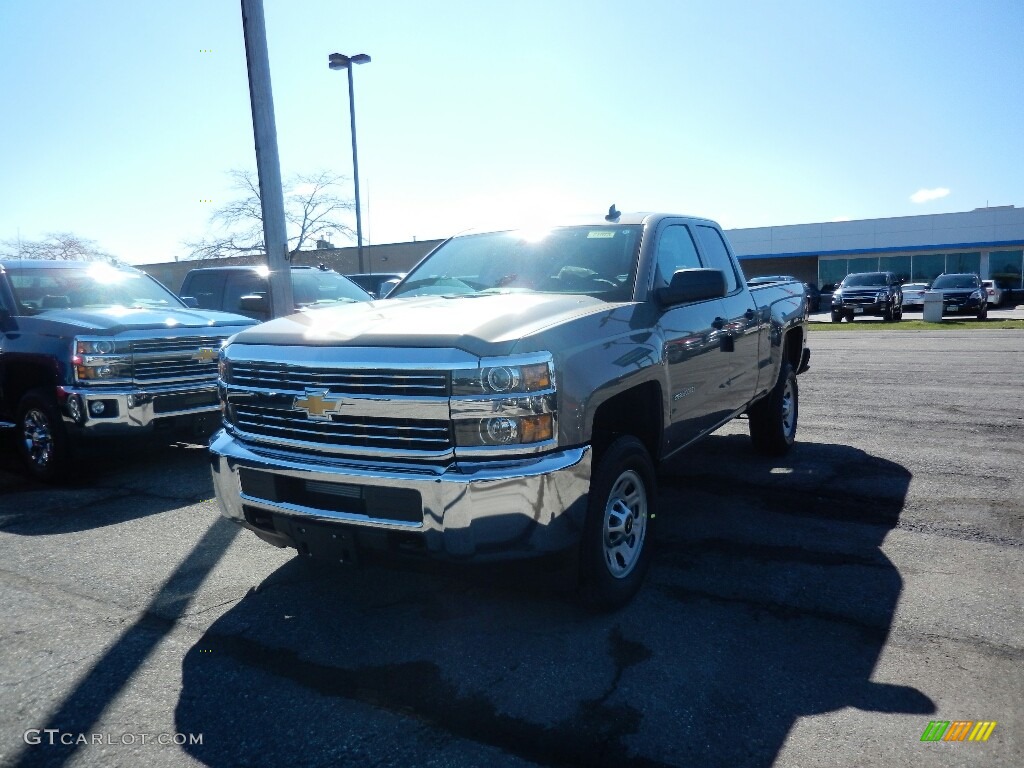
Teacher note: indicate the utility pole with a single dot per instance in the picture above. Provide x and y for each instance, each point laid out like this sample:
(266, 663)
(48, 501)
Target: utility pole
(268, 165)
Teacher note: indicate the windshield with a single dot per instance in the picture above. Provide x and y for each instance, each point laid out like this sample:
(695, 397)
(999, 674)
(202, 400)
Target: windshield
(599, 261)
(93, 285)
(955, 281)
(865, 280)
(320, 286)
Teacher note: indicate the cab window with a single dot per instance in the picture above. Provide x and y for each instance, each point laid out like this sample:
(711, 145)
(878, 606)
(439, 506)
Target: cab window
(676, 251)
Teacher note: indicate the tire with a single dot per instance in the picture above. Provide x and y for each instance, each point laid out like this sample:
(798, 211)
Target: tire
(836, 317)
(983, 315)
(42, 438)
(887, 316)
(773, 419)
(897, 315)
(615, 551)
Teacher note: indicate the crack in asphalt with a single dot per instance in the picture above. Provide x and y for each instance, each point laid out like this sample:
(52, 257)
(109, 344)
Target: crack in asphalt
(873, 633)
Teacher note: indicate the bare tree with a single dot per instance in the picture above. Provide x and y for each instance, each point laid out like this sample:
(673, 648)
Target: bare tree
(56, 246)
(312, 209)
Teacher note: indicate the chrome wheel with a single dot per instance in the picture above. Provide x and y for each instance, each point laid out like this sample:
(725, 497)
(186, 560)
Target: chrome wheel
(625, 524)
(37, 436)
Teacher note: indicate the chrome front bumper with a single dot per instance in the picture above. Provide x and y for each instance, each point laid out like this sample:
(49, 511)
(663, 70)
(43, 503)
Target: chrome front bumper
(470, 510)
(133, 409)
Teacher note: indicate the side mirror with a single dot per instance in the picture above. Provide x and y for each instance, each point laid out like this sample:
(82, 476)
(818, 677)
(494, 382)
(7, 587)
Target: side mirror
(190, 301)
(692, 285)
(256, 304)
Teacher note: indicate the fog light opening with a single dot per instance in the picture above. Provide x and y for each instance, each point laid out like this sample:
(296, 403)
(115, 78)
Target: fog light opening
(97, 407)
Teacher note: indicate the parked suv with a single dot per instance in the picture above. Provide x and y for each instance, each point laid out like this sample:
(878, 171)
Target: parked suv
(245, 289)
(869, 294)
(962, 293)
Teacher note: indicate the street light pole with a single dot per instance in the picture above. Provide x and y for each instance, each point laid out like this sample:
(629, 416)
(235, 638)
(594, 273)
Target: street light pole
(340, 61)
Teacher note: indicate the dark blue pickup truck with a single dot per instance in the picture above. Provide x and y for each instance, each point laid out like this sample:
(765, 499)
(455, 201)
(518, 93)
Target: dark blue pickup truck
(90, 348)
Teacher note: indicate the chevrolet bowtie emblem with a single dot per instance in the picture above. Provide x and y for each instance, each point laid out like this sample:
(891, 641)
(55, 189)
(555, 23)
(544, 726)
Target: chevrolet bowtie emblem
(317, 404)
(205, 355)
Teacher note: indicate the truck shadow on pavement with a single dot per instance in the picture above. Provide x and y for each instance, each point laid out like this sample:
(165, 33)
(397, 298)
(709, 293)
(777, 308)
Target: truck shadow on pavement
(769, 600)
(114, 481)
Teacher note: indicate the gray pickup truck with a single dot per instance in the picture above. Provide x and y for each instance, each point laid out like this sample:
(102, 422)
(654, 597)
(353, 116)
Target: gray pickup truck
(509, 398)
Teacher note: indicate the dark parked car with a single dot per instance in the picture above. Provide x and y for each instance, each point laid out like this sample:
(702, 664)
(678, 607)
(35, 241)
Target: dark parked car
(868, 294)
(377, 284)
(245, 289)
(962, 294)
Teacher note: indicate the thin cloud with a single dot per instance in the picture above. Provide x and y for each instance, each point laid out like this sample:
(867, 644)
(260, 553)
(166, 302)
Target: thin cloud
(927, 195)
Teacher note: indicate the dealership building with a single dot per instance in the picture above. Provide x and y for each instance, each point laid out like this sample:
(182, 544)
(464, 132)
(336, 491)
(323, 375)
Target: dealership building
(986, 241)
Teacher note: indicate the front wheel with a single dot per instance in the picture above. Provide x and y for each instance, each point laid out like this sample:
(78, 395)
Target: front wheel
(983, 315)
(773, 419)
(42, 438)
(616, 546)
(836, 317)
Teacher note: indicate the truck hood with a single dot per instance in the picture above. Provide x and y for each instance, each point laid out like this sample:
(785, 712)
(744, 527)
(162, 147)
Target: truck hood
(118, 319)
(481, 324)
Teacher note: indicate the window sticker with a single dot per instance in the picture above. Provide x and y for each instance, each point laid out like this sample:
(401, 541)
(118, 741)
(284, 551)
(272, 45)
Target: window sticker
(600, 233)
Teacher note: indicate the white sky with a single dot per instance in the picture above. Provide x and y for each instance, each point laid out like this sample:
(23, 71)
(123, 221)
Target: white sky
(117, 124)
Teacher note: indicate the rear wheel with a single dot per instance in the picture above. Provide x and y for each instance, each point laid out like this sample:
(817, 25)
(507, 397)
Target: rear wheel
(772, 420)
(42, 438)
(616, 546)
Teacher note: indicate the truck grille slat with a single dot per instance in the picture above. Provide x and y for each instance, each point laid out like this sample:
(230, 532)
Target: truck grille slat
(385, 382)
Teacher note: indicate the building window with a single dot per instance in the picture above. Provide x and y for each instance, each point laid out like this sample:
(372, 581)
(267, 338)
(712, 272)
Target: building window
(1006, 268)
(830, 273)
(900, 265)
(928, 266)
(963, 262)
(864, 264)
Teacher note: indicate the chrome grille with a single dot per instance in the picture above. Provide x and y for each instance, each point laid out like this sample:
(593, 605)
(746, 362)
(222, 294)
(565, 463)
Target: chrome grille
(174, 358)
(397, 383)
(342, 431)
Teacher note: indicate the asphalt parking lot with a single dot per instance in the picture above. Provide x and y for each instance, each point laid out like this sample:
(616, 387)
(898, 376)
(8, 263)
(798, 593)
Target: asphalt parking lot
(820, 610)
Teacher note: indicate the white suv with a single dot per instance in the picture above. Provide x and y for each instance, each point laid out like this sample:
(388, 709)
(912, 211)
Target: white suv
(995, 293)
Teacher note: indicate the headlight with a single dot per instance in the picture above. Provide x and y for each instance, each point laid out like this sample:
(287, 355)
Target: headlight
(837, 297)
(976, 295)
(882, 297)
(503, 379)
(505, 430)
(101, 360)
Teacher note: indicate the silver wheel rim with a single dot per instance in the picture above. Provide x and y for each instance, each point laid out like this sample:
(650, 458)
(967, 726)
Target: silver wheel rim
(625, 524)
(788, 409)
(37, 437)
